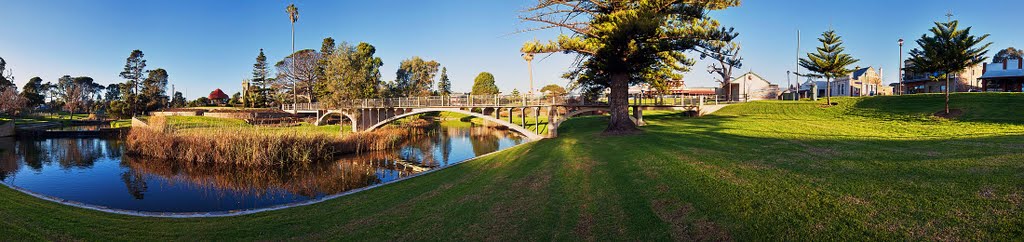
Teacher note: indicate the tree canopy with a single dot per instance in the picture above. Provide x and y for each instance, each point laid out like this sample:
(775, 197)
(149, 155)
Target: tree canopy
(352, 72)
(1007, 54)
(301, 71)
(624, 42)
(33, 92)
(415, 76)
(6, 75)
(948, 50)
(829, 61)
(484, 84)
(553, 90)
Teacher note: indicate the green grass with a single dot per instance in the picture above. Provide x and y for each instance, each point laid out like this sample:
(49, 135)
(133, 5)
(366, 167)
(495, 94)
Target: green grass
(200, 124)
(872, 168)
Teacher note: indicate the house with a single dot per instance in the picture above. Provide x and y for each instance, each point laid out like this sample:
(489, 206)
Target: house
(860, 82)
(811, 87)
(965, 81)
(1007, 76)
(749, 87)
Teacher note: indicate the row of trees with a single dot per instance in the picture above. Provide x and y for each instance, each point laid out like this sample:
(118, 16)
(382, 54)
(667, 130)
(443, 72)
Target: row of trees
(143, 91)
(339, 72)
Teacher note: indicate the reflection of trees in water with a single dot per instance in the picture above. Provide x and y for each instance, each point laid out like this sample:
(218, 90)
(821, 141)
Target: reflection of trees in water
(485, 140)
(68, 153)
(310, 180)
(136, 184)
(8, 158)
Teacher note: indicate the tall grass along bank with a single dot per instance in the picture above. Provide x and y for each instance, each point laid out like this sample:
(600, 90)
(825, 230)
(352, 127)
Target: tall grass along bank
(250, 147)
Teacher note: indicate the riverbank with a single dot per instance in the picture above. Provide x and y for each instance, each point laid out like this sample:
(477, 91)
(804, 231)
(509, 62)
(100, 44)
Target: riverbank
(873, 168)
(175, 138)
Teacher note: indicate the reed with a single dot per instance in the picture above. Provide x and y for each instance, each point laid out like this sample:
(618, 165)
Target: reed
(251, 147)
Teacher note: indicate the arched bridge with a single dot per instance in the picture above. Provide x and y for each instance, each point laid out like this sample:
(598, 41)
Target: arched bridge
(370, 114)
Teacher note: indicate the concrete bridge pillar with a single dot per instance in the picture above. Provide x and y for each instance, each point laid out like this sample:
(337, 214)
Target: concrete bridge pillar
(536, 119)
(523, 117)
(510, 115)
(638, 114)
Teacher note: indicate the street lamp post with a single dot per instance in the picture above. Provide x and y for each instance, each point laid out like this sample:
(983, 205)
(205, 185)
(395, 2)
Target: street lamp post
(901, 67)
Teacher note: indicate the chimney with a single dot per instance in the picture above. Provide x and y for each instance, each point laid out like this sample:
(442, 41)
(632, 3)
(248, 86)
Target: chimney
(1020, 63)
(1004, 63)
(984, 68)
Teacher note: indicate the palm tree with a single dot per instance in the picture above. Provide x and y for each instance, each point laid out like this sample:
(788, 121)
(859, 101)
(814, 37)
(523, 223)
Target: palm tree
(947, 51)
(829, 62)
(293, 15)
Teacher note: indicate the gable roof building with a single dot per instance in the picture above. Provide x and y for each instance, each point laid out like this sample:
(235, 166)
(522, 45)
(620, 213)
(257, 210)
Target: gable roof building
(749, 87)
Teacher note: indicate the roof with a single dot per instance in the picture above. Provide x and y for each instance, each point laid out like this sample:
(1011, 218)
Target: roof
(995, 70)
(859, 72)
(740, 78)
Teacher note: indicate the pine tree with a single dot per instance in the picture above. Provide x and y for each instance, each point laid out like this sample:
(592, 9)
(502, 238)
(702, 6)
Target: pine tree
(829, 61)
(134, 69)
(258, 89)
(626, 42)
(949, 50)
(444, 85)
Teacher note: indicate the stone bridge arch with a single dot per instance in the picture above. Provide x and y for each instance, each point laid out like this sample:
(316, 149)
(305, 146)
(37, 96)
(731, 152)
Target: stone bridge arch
(520, 129)
(323, 118)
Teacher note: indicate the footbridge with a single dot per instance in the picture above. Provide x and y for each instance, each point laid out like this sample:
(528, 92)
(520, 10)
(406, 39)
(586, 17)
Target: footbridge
(514, 112)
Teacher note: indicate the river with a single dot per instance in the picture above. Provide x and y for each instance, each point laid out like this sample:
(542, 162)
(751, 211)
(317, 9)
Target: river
(97, 172)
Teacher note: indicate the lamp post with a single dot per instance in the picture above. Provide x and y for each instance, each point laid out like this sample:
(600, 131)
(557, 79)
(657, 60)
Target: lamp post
(901, 67)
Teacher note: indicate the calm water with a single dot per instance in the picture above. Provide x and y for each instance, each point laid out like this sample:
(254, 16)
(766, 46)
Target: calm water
(95, 171)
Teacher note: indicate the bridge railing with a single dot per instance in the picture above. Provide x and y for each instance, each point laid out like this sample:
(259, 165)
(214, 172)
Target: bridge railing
(504, 100)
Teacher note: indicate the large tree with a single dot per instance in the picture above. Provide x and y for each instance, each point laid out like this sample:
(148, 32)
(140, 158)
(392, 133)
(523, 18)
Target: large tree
(444, 85)
(178, 100)
(947, 51)
(300, 70)
(725, 57)
(1007, 54)
(33, 92)
(619, 41)
(154, 90)
(257, 96)
(326, 50)
(553, 90)
(113, 92)
(6, 75)
(484, 84)
(73, 91)
(134, 69)
(415, 76)
(353, 72)
(829, 61)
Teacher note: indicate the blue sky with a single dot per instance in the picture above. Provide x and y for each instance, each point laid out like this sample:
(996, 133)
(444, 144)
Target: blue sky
(213, 44)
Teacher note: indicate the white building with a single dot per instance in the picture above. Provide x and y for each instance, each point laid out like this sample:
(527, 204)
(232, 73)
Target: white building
(749, 87)
(860, 82)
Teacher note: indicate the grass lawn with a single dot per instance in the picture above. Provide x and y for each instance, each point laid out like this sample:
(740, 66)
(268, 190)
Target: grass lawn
(200, 124)
(870, 168)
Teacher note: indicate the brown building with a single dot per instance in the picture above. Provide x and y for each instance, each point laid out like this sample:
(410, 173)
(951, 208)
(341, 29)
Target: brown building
(964, 81)
(1006, 76)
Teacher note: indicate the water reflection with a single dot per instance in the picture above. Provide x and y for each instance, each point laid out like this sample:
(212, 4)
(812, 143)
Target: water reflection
(95, 171)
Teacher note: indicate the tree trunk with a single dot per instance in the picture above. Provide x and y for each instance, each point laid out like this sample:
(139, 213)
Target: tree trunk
(828, 92)
(947, 93)
(618, 102)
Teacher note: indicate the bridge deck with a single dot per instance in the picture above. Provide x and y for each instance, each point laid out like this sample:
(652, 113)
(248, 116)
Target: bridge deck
(498, 101)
